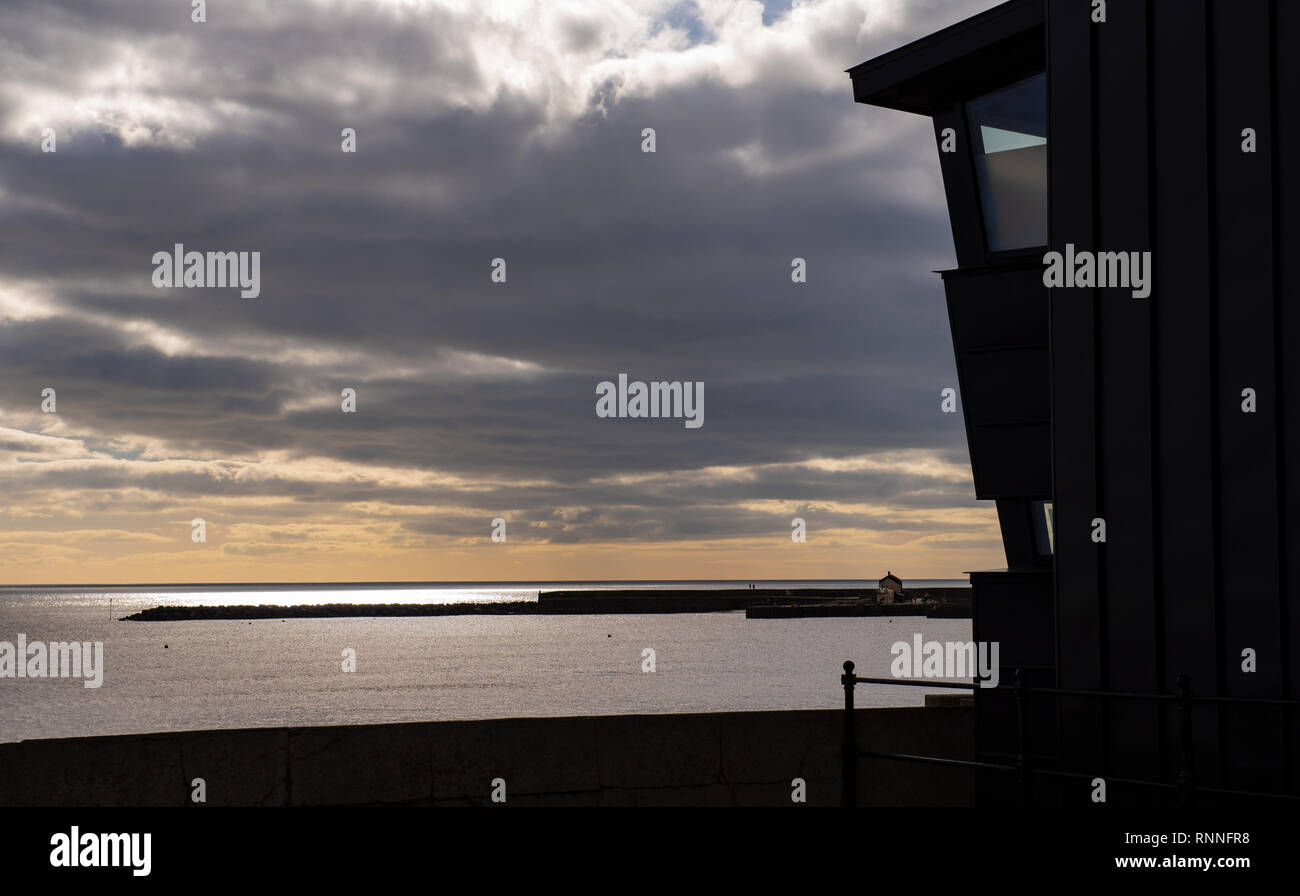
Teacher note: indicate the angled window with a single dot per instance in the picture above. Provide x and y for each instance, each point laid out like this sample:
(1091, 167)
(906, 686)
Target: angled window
(1009, 136)
(1044, 527)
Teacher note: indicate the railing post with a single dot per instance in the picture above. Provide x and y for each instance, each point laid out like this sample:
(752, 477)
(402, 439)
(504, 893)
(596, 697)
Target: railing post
(1022, 716)
(849, 747)
(1186, 783)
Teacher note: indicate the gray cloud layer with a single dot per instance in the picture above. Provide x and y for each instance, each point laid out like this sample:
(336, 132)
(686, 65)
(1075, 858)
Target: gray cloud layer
(375, 266)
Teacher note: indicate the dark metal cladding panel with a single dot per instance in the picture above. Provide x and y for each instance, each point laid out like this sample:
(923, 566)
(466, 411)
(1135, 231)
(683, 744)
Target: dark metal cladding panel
(1182, 385)
(1286, 105)
(1241, 43)
(1009, 385)
(1074, 447)
(1130, 628)
(959, 187)
(1020, 451)
(1019, 317)
(1015, 610)
(1003, 379)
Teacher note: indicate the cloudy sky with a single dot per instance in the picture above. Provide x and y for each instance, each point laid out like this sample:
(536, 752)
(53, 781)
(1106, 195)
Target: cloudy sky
(484, 130)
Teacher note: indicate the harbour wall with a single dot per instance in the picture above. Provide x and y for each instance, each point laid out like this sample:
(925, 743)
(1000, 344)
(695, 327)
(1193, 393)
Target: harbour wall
(688, 759)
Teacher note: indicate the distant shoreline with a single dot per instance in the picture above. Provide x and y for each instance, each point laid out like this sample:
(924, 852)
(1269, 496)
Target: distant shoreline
(525, 584)
(562, 603)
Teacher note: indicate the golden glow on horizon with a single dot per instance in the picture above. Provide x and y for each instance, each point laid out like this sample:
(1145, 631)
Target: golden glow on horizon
(50, 561)
(78, 515)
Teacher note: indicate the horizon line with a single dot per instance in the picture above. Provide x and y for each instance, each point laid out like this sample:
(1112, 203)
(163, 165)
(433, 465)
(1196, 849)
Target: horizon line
(145, 586)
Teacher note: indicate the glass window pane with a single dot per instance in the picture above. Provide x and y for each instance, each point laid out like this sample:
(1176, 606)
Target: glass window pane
(1009, 130)
(1044, 527)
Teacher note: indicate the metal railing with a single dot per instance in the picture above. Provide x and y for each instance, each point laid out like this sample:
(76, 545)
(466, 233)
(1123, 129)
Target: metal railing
(1024, 768)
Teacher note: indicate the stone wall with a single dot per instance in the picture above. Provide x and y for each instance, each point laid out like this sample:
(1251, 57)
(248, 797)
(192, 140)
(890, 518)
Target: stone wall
(716, 759)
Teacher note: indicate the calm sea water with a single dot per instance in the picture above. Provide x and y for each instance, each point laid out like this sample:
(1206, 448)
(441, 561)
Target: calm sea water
(161, 676)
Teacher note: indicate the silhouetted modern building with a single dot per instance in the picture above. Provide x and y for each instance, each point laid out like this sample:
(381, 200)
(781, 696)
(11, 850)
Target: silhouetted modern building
(1171, 127)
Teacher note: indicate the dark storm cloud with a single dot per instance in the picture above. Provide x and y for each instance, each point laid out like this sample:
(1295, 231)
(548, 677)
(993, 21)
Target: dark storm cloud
(375, 266)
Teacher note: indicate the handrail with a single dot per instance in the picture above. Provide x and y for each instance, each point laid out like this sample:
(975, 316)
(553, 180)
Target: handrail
(1183, 699)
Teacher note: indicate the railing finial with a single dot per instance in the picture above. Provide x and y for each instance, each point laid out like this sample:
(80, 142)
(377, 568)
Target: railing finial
(849, 747)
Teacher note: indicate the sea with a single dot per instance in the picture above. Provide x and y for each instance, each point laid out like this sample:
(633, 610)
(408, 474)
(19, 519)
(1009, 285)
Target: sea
(190, 675)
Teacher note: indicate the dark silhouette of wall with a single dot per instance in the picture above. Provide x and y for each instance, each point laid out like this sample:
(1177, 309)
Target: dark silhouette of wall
(1146, 114)
(723, 759)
